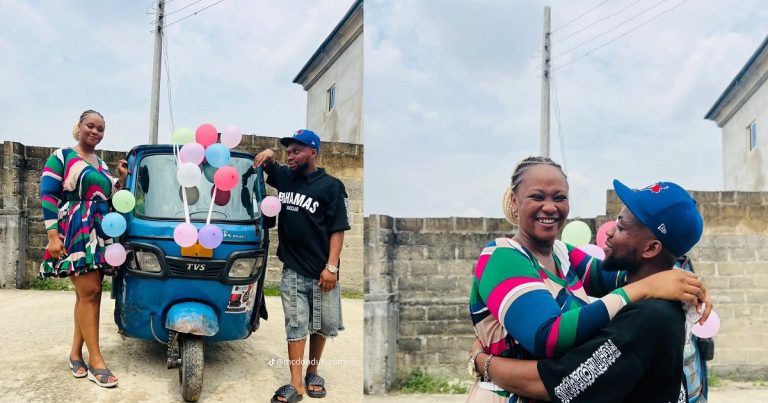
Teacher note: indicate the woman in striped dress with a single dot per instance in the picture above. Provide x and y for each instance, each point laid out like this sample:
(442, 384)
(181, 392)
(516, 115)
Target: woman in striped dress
(75, 189)
(530, 295)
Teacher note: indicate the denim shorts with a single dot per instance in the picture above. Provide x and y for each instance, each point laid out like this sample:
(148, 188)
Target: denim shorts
(307, 308)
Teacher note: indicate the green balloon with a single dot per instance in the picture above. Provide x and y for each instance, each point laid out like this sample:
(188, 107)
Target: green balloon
(123, 201)
(183, 136)
(576, 233)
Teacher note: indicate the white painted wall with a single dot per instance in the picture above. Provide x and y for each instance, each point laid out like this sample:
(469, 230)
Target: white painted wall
(344, 123)
(743, 169)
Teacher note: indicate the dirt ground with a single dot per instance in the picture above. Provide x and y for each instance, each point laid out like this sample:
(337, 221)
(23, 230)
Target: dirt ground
(732, 392)
(36, 332)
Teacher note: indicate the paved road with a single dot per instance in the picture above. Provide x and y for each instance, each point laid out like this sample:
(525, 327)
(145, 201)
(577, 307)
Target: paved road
(732, 393)
(36, 332)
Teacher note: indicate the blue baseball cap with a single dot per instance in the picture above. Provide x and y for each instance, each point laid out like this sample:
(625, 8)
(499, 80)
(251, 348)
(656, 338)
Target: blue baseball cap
(668, 211)
(303, 136)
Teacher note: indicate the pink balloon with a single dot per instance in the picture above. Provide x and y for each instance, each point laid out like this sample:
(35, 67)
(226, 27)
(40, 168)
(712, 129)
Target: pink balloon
(593, 250)
(206, 134)
(185, 234)
(270, 206)
(709, 328)
(192, 152)
(210, 236)
(226, 178)
(231, 136)
(602, 233)
(115, 254)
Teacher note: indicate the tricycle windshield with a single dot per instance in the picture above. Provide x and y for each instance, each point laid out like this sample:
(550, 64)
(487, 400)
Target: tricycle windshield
(159, 195)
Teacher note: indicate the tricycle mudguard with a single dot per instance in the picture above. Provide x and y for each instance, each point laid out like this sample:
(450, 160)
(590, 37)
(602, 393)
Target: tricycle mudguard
(193, 318)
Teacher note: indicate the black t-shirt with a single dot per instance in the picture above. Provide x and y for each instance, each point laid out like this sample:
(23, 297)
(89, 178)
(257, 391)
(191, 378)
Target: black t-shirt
(637, 357)
(313, 207)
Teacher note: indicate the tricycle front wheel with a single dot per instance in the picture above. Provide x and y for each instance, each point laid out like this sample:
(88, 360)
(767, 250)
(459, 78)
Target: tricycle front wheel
(191, 369)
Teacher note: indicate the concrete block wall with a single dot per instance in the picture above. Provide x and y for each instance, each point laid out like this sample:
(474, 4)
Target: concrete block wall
(429, 262)
(22, 230)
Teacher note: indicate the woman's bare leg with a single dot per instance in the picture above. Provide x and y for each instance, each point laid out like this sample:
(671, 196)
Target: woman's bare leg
(88, 286)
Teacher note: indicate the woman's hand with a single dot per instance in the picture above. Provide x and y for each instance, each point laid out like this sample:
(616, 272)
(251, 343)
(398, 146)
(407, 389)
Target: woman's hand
(56, 247)
(707, 306)
(122, 169)
(675, 285)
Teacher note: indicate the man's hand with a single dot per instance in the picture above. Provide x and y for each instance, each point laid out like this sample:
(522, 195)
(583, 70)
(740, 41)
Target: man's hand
(327, 280)
(264, 157)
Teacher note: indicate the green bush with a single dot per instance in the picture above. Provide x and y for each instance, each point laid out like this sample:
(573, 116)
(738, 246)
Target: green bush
(420, 382)
(52, 284)
(63, 284)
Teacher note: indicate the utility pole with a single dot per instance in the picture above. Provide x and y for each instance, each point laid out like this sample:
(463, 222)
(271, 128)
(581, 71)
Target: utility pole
(545, 70)
(154, 109)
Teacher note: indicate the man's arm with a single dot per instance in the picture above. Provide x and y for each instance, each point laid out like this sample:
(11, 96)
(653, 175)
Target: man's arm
(520, 377)
(337, 241)
(328, 279)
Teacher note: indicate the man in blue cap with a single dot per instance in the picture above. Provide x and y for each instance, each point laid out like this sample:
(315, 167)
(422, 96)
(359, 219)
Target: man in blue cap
(638, 356)
(311, 227)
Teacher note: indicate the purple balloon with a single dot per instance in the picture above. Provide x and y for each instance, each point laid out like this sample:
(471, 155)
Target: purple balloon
(192, 152)
(185, 234)
(270, 206)
(210, 236)
(231, 136)
(115, 254)
(709, 328)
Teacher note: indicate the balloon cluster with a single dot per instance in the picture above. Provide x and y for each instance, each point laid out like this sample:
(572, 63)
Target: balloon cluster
(578, 233)
(113, 225)
(197, 148)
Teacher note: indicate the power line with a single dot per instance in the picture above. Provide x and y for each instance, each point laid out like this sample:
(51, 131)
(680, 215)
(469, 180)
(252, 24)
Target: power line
(195, 13)
(597, 22)
(612, 29)
(187, 6)
(585, 13)
(168, 79)
(620, 36)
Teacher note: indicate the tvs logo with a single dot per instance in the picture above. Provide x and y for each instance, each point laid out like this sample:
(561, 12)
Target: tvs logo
(656, 188)
(195, 267)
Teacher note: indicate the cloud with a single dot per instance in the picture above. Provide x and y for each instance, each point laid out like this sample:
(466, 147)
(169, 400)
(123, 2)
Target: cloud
(631, 110)
(233, 63)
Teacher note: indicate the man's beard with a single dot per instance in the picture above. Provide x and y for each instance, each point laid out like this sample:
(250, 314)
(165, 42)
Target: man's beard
(626, 263)
(301, 168)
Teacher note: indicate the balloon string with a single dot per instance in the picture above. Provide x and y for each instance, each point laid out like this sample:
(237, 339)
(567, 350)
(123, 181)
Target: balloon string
(210, 208)
(183, 189)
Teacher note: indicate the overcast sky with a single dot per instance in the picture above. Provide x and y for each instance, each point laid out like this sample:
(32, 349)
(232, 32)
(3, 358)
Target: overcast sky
(231, 64)
(452, 94)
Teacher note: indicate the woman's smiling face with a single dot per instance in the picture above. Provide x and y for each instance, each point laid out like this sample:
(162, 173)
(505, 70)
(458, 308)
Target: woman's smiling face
(541, 201)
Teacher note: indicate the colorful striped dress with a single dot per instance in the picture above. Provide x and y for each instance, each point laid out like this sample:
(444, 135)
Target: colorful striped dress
(75, 197)
(522, 310)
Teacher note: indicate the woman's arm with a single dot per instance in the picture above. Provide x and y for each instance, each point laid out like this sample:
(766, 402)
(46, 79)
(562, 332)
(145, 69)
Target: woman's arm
(50, 189)
(515, 294)
(520, 377)
(50, 196)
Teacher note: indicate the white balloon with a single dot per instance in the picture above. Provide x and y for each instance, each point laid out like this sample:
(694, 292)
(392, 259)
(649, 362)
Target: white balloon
(188, 174)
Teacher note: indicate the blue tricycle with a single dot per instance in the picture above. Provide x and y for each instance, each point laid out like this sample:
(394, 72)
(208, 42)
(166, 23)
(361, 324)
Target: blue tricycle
(181, 296)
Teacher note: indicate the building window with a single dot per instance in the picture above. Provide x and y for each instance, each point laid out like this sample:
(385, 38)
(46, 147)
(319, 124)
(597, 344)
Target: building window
(331, 97)
(752, 134)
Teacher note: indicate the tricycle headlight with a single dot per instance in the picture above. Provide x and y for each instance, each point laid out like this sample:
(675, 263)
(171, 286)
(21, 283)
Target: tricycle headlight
(148, 262)
(245, 267)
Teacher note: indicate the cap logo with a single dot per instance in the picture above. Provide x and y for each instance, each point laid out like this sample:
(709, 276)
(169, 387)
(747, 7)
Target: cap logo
(663, 229)
(655, 188)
